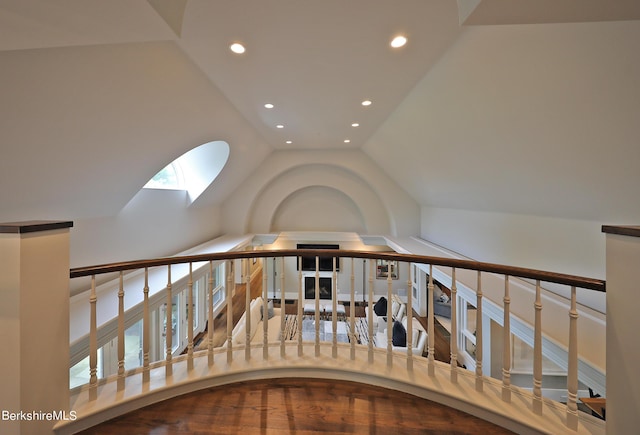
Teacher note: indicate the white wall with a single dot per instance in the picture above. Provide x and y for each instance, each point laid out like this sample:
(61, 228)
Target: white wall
(155, 223)
(558, 245)
(537, 120)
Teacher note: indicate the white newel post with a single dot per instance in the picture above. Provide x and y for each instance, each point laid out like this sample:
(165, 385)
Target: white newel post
(34, 325)
(623, 324)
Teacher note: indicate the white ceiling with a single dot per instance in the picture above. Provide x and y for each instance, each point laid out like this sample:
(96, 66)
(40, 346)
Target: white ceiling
(165, 63)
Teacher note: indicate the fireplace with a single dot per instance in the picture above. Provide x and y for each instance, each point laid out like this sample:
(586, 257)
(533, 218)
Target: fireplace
(310, 287)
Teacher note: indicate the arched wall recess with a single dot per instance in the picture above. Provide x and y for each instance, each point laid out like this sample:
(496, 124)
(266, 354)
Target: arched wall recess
(267, 202)
(318, 208)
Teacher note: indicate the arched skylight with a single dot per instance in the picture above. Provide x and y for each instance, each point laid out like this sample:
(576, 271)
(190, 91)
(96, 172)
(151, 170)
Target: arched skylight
(193, 171)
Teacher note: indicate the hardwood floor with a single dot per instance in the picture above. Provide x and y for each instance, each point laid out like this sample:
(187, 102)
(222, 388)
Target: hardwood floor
(297, 406)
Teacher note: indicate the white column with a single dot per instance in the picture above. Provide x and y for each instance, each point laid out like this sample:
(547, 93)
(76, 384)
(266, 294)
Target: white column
(265, 315)
(454, 327)
(209, 315)
(479, 344)
(430, 326)
(537, 353)
(623, 324)
(572, 369)
(34, 308)
(121, 373)
(409, 318)
(169, 328)
(506, 343)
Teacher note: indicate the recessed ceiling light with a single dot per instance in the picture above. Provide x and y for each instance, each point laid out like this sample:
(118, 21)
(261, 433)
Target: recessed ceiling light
(269, 106)
(355, 124)
(289, 142)
(279, 126)
(398, 41)
(366, 103)
(347, 140)
(237, 48)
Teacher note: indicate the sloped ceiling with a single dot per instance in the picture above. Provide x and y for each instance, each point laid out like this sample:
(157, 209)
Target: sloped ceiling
(99, 95)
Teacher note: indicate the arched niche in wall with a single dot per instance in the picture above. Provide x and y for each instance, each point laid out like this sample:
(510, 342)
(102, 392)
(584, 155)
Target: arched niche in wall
(318, 208)
(261, 216)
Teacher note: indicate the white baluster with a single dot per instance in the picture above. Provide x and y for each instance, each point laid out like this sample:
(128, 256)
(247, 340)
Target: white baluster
(454, 327)
(210, 316)
(190, 319)
(229, 297)
(409, 318)
(93, 342)
(389, 316)
(334, 312)
(146, 329)
(265, 315)
(431, 349)
(282, 308)
(247, 301)
(372, 267)
(572, 370)
(169, 328)
(300, 302)
(121, 374)
(537, 354)
(352, 310)
(506, 344)
(317, 313)
(479, 378)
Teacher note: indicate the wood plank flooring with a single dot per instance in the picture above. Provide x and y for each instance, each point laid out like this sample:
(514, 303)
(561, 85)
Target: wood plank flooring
(297, 406)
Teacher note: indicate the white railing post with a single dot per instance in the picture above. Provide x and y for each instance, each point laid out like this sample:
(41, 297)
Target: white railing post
(300, 302)
(537, 353)
(229, 296)
(93, 343)
(210, 316)
(282, 307)
(454, 327)
(370, 308)
(317, 310)
(169, 328)
(190, 319)
(506, 343)
(389, 316)
(121, 373)
(146, 329)
(431, 369)
(479, 375)
(572, 371)
(334, 311)
(265, 315)
(409, 318)
(352, 309)
(247, 305)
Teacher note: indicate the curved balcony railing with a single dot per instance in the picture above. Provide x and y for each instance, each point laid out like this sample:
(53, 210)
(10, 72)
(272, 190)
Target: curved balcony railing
(448, 383)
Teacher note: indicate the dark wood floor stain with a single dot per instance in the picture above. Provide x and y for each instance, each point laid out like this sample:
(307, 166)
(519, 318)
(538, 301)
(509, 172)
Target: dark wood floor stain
(297, 406)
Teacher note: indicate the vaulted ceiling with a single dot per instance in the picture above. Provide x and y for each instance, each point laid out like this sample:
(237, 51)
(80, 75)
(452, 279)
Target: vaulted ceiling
(509, 105)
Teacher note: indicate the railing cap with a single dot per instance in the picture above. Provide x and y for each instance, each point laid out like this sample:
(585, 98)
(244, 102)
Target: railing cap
(571, 280)
(32, 226)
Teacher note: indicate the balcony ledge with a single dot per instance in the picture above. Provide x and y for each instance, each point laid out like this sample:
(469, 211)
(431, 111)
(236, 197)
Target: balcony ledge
(488, 405)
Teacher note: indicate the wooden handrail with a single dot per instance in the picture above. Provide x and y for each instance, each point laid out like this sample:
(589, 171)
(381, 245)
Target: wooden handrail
(553, 277)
